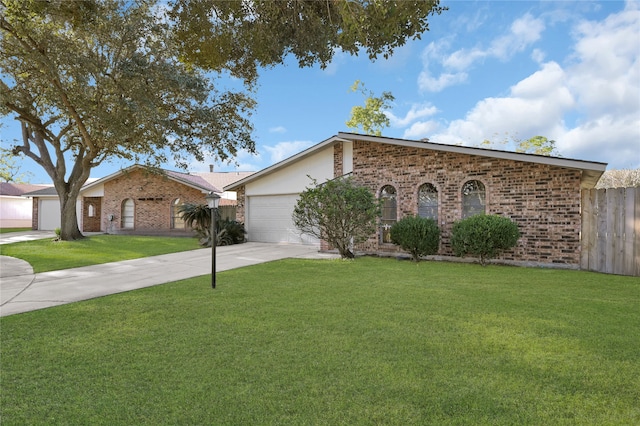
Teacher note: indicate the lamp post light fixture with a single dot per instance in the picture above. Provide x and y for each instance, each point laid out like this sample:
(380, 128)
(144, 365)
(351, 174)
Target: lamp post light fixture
(213, 201)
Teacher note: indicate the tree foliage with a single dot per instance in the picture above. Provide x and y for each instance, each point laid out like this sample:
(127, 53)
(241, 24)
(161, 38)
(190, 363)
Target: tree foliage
(96, 80)
(339, 212)
(371, 116)
(420, 236)
(623, 178)
(241, 36)
(539, 145)
(484, 236)
(10, 168)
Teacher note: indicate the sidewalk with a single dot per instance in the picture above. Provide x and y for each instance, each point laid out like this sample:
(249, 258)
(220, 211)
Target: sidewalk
(21, 291)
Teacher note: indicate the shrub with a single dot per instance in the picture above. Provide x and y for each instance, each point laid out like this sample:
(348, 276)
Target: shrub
(417, 235)
(484, 236)
(229, 232)
(338, 211)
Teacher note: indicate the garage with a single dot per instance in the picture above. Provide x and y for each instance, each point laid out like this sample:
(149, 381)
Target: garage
(48, 214)
(269, 220)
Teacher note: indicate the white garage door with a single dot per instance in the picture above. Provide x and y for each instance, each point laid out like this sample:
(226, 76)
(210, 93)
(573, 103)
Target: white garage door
(49, 214)
(269, 220)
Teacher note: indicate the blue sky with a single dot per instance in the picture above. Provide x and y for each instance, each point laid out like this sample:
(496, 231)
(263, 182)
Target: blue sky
(567, 70)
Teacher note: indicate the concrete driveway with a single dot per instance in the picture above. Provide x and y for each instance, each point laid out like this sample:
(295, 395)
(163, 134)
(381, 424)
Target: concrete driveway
(22, 291)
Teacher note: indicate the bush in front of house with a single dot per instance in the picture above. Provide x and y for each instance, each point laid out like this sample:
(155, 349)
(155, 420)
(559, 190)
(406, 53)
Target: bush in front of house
(230, 232)
(198, 217)
(484, 236)
(416, 235)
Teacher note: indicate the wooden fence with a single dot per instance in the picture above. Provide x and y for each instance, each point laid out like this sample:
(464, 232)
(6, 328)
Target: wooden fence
(611, 231)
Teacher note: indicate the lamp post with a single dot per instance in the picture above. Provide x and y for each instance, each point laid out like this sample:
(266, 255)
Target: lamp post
(213, 200)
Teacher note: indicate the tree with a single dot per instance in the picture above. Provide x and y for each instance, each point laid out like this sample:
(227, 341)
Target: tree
(371, 116)
(9, 170)
(623, 178)
(539, 145)
(93, 80)
(338, 212)
(240, 36)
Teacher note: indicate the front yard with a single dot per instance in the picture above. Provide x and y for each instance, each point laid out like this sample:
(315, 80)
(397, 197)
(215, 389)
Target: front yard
(373, 341)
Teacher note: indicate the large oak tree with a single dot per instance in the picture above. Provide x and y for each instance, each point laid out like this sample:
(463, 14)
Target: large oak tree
(94, 80)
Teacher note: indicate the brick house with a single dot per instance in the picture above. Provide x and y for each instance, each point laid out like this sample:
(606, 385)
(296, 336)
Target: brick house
(137, 200)
(541, 194)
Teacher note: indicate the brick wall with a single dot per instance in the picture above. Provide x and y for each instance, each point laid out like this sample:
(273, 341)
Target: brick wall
(34, 213)
(240, 206)
(338, 156)
(152, 195)
(543, 200)
(91, 223)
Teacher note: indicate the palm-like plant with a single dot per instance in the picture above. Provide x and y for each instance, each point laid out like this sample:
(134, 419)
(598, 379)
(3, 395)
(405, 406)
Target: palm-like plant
(198, 217)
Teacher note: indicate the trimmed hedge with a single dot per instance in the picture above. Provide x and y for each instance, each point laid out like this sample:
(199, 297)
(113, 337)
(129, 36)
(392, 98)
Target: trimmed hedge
(484, 236)
(417, 235)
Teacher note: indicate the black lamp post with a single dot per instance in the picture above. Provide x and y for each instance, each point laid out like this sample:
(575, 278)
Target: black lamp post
(213, 200)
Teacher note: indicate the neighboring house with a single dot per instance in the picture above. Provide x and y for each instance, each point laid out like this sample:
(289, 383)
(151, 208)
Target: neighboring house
(446, 182)
(135, 200)
(15, 210)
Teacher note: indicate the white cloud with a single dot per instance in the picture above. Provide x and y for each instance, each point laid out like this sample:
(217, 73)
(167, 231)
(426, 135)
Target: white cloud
(522, 33)
(430, 84)
(285, 150)
(416, 112)
(278, 129)
(591, 106)
(421, 129)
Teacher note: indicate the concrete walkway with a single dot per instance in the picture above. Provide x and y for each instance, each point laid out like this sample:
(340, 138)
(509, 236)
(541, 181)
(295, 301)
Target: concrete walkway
(22, 291)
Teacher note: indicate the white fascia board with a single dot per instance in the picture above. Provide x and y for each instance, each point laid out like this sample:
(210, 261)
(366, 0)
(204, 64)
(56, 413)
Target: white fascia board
(288, 161)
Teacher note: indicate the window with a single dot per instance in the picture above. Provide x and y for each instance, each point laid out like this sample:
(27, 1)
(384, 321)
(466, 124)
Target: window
(389, 212)
(428, 201)
(176, 218)
(473, 198)
(128, 213)
(91, 210)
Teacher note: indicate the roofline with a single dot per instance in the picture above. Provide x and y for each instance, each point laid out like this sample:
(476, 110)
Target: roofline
(139, 166)
(297, 157)
(485, 152)
(593, 169)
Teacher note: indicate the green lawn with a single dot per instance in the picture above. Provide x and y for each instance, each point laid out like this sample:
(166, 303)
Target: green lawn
(8, 230)
(317, 342)
(49, 255)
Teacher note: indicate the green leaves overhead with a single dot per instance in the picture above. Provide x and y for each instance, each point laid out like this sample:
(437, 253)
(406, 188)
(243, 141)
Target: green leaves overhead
(241, 36)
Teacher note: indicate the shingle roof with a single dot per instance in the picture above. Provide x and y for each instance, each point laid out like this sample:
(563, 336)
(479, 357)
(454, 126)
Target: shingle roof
(19, 189)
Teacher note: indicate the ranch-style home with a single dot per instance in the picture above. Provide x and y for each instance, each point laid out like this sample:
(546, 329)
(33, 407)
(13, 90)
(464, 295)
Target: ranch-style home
(15, 209)
(447, 183)
(137, 200)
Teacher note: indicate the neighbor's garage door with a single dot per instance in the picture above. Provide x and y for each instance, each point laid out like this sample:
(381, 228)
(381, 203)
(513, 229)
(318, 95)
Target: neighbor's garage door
(48, 214)
(269, 220)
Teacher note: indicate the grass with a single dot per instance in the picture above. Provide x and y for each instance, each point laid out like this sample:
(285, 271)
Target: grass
(375, 341)
(48, 255)
(8, 230)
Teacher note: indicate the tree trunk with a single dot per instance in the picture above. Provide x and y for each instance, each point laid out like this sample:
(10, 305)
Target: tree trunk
(69, 229)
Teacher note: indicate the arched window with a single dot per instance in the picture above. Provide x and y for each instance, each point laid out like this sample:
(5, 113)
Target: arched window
(91, 210)
(428, 201)
(176, 218)
(474, 198)
(128, 213)
(389, 212)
